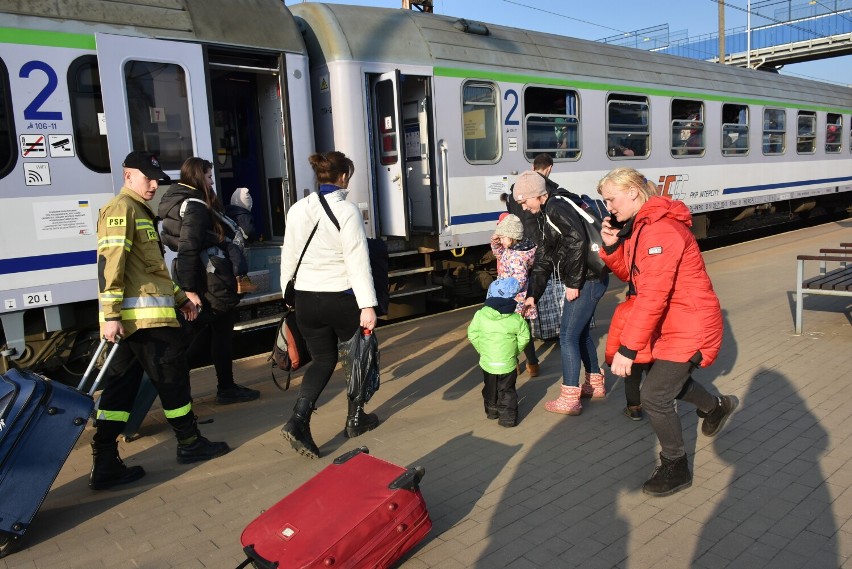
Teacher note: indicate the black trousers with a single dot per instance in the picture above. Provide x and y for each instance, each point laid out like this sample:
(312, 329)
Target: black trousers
(665, 382)
(499, 393)
(632, 383)
(324, 318)
(212, 333)
(161, 353)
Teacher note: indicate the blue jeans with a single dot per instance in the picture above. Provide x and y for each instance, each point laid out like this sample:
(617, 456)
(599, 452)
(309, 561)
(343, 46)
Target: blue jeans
(575, 342)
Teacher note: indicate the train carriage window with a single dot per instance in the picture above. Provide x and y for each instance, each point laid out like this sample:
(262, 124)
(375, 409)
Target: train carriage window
(8, 142)
(628, 126)
(833, 132)
(806, 132)
(551, 123)
(734, 130)
(687, 128)
(774, 131)
(157, 97)
(481, 124)
(87, 109)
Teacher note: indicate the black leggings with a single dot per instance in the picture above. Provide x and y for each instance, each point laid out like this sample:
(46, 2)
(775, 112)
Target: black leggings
(324, 318)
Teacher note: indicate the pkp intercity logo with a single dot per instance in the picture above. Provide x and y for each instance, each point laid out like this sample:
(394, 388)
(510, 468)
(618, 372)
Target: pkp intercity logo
(673, 186)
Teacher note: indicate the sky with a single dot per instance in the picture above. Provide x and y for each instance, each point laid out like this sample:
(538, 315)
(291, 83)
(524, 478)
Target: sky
(598, 19)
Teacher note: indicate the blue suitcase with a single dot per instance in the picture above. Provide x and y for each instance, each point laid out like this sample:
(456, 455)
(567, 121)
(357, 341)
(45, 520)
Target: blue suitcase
(40, 422)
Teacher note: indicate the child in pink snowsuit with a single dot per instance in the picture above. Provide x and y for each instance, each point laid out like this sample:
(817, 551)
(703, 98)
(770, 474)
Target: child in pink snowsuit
(515, 255)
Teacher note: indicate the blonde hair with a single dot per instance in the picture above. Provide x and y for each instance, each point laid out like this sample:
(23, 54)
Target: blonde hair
(626, 178)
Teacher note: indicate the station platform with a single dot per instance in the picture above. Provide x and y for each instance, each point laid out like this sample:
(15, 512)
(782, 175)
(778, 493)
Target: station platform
(774, 489)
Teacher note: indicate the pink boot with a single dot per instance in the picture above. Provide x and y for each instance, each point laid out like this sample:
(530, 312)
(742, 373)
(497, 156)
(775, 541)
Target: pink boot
(595, 386)
(568, 402)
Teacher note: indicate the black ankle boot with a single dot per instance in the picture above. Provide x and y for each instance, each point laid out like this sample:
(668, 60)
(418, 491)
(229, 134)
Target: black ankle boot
(192, 447)
(108, 470)
(198, 448)
(714, 420)
(359, 421)
(671, 476)
(298, 430)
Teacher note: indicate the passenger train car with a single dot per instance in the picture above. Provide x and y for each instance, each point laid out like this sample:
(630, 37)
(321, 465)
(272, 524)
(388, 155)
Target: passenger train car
(441, 114)
(82, 84)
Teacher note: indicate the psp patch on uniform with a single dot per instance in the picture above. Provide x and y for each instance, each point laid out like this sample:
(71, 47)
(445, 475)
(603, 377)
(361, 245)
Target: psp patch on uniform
(655, 250)
(116, 221)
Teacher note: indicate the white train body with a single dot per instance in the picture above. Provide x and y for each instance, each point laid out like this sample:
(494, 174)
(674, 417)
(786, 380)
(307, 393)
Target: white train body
(439, 115)
(392, 85)
(84, 83)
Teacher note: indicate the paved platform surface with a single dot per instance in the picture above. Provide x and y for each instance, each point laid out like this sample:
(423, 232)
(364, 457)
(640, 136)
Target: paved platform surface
(774, 489)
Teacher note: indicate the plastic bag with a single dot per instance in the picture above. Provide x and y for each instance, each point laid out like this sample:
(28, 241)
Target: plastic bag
(359, 357)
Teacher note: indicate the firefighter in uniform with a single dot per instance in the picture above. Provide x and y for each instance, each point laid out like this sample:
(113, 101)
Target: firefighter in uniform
(138, 301)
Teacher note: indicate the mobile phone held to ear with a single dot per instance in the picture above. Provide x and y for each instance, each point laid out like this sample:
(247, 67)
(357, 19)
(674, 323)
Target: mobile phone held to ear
(615, 223)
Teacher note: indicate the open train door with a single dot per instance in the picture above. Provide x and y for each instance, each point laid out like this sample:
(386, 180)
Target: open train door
(154, 96)
(391, 184)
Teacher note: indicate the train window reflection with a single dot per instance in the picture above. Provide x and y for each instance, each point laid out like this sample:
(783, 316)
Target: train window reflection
(734, 130)
(774, 131)
(87, 111)
(8, 144)
(687, 128)
(806, 132)
(551, 123)
(481, 126)
(157, 96)
(628, 126)
(833, 132)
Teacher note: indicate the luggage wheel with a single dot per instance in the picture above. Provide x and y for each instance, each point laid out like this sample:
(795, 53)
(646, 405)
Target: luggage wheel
(8, 543)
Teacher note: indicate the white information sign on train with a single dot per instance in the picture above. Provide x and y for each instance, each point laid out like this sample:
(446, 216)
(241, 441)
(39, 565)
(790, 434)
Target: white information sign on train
(61, 145)
(63, 219)
(33, 146)
(496, 187)
(37, 173)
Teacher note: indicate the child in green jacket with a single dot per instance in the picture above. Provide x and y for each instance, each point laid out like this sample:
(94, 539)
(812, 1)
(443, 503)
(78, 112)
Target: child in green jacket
(499, 334)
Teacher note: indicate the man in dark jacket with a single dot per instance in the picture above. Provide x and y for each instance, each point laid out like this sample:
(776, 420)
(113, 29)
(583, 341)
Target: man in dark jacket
(564, 249)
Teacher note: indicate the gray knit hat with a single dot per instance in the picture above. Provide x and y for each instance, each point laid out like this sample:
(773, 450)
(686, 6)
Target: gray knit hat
(511, 227)
(529, 184)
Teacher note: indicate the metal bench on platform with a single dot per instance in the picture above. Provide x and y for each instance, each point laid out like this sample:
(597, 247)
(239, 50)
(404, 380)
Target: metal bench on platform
(836, 282)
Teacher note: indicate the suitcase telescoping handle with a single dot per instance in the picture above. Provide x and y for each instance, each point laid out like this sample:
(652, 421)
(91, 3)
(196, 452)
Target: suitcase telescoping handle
(104, 368)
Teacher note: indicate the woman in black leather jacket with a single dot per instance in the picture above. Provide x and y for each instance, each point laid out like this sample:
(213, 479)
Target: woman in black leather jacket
(565, 249)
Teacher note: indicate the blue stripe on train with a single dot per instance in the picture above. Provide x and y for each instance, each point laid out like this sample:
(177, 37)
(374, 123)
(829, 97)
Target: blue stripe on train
(475, 217)
(785, 185)
(44, 262)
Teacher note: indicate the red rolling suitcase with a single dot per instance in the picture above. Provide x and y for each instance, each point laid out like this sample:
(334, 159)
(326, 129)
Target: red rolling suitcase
(358, 512)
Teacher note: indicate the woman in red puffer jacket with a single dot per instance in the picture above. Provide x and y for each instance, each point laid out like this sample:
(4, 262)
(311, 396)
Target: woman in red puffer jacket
(676, 312)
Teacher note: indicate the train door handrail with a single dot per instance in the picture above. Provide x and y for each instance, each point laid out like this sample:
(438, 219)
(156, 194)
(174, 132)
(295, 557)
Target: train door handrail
(445, 178)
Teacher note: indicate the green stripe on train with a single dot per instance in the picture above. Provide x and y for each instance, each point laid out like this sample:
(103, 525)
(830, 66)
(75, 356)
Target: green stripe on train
(47, 39)
(555, 82)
